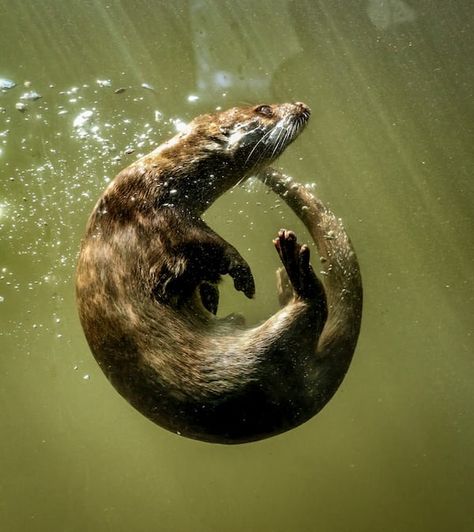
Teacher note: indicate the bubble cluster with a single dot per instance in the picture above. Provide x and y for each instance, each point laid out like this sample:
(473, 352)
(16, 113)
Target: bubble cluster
(59, 147)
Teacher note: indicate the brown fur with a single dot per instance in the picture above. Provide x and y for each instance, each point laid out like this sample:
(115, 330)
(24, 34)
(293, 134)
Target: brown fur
(147, 288)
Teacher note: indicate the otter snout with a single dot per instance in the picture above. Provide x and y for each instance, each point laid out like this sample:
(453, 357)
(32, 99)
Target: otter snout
(303, 107)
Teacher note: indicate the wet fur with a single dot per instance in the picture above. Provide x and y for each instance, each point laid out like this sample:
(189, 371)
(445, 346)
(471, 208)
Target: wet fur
(147, 291)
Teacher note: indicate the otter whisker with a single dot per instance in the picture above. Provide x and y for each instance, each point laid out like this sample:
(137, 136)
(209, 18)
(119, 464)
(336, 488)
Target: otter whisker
(283, 141)
(263, 139)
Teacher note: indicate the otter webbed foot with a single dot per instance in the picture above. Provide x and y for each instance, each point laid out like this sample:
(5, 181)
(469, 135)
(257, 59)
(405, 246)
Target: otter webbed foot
(284, 288)
(295, 259)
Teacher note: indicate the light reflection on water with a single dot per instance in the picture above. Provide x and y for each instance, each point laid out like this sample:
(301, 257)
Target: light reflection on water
(389, 147)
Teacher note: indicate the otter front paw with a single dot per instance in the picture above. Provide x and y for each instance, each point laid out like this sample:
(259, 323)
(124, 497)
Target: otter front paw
(240, 272)
(243, 279)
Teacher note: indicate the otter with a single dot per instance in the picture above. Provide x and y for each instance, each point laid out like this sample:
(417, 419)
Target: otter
(147, 287)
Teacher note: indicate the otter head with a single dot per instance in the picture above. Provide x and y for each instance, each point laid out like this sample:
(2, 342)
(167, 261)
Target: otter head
(247, 138)
(253, 137)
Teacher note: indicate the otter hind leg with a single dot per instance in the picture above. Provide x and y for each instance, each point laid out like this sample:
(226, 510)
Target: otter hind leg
(295, 259)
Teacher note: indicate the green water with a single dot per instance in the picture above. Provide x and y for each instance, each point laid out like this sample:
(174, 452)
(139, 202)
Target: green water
(389, 147)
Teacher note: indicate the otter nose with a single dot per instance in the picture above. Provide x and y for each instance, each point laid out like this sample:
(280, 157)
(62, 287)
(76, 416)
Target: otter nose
(303, 108)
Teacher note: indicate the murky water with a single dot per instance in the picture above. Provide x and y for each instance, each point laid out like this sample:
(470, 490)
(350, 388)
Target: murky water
(389, 147)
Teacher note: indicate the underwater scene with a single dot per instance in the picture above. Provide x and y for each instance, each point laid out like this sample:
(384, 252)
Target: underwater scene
(87, 89)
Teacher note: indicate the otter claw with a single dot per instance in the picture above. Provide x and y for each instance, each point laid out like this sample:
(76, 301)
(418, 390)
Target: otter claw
(243, 279)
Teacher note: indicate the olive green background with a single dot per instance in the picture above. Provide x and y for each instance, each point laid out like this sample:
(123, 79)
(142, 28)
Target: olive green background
(389, 147)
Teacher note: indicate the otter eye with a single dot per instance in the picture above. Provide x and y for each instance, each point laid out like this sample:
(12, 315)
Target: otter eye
(264, 110)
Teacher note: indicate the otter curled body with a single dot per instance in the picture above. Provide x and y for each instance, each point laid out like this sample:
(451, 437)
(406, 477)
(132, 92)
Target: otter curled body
(147, 287)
